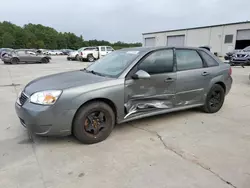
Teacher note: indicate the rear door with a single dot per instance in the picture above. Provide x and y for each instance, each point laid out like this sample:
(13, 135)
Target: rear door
(193, 77)
(154, 94)
(32, 57)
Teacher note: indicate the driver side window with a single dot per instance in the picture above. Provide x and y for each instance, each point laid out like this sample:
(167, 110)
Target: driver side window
(158, 62)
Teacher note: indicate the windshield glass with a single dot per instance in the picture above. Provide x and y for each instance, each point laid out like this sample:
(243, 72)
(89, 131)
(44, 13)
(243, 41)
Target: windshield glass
(247, 48)
(81, 49)
(114, 63)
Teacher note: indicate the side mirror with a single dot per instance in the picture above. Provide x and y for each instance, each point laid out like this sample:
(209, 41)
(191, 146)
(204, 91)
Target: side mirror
(141, 74)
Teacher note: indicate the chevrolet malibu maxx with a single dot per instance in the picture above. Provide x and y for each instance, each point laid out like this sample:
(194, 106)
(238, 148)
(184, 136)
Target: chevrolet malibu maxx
(125, 85)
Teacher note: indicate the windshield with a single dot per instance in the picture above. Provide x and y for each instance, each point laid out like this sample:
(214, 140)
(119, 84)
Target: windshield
(81, 49)
(247, 48)
(114, 63)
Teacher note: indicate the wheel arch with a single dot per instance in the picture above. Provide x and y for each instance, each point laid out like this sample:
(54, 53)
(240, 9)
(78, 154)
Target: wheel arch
(16, 58)
(223, 85)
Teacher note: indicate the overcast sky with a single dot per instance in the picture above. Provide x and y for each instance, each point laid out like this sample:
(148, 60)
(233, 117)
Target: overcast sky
(123, 20)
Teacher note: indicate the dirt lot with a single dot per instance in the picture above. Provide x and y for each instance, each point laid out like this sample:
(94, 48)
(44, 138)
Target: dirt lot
(185, 149)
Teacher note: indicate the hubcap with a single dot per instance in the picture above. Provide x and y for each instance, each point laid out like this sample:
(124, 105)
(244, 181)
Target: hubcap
(95, 123)
(215, 99)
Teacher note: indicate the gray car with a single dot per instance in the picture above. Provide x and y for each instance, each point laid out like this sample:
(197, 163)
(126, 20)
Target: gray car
(241, 57)
(125, 85)
(27, 56)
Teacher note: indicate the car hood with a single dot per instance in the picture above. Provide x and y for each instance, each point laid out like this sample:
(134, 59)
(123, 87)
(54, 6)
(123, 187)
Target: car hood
(63, 81)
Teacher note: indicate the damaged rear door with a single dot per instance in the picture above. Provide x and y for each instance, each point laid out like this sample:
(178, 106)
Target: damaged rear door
(153, 93)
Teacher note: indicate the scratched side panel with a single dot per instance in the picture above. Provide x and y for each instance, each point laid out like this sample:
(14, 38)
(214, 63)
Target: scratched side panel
(144, 96)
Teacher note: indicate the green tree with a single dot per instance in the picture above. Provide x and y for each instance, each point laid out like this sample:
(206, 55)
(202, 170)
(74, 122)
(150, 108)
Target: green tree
(8, 40)
(39, 36)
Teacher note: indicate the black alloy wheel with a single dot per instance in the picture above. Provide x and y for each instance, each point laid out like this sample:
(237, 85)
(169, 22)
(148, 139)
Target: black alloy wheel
(215, 99)
(93, 122)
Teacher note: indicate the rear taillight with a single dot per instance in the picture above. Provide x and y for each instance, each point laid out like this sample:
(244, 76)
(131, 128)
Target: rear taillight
(81, 53)
(230, 71)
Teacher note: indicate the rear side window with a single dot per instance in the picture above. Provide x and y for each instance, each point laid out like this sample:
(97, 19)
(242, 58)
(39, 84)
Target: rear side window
(103, 49)
(211, 62)
(188, 59)
(158, 62)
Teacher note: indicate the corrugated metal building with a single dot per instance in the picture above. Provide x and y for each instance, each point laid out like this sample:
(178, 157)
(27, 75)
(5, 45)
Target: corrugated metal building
(221, 38)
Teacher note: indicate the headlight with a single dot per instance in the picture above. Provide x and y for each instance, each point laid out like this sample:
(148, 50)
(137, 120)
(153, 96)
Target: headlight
(45, 97)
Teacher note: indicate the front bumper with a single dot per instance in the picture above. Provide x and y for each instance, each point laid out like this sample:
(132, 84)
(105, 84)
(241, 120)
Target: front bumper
(45, 120)
(240, 61)
(6, 59)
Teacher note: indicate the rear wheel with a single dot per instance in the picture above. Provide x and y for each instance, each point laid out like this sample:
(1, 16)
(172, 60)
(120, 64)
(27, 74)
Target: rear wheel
(91, 58)
(215, 99)
(93, 123)
(77, 57)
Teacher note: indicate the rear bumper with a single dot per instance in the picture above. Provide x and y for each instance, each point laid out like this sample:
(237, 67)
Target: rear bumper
(240, 61)
(228, 83)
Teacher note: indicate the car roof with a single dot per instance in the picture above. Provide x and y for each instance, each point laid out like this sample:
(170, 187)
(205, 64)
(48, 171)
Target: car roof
(148, 49)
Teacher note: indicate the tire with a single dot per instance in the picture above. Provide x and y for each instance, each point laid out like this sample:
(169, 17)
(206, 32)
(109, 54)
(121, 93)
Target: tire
(6, 62)
(77, 57)
(90, 58)
(83, 129)
(44, 60)
(215, 99)
(14, 60)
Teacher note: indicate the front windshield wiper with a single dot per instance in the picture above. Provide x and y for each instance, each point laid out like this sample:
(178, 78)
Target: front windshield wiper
(92, 72)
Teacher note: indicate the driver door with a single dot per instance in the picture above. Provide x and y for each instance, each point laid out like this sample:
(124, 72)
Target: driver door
(156, 93)
(32, 57)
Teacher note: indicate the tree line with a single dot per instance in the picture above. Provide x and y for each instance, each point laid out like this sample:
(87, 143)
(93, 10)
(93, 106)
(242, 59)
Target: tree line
(42, 37)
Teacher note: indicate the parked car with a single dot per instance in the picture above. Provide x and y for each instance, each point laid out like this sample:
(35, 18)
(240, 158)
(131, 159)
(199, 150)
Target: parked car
(229, 55)
(96, 52)
(66, 51)
(54, 52)
(17, 56)
(74, 55)
(241, 58)
(125, 85)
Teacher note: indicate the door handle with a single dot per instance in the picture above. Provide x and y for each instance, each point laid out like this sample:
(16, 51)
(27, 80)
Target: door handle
(169, 79)
(205, 73)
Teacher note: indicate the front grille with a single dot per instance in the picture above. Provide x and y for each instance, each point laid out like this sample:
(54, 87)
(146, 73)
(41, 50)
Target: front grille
(241, 55)
(23, 98)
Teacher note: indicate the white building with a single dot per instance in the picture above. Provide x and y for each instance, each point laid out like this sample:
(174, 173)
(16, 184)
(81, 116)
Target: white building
(221, 38)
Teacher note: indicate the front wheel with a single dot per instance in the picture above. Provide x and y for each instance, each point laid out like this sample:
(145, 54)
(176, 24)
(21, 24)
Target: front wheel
(93, 122)
(215, 99)
(14, 61)
(44, 60)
